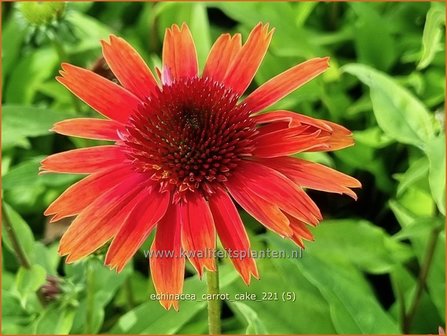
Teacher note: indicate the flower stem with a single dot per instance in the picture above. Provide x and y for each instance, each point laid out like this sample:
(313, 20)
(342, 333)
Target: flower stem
(90, 279)
(129, 293)
(422, 278)
(214, 303)
(18, 250)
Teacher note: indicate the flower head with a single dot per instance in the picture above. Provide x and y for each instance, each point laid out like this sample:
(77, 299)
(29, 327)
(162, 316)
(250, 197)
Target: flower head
(185, 149)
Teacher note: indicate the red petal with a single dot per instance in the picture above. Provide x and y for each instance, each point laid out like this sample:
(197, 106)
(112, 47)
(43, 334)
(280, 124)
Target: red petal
(179, 53)
(277, 189)
(292, 118)
(100, 221)
(221, 56)
(83, 160)
(247, 61)
(287, 141)
(268, 214)
(89, 128)
(166, 262)
(281, 85)
(129, 67)
(151, 207)
(104, 96)
(340, 137)
(198, 233)
(81, 194)
(300, 231)
(232, 234)
(332, 136)
(313, 175)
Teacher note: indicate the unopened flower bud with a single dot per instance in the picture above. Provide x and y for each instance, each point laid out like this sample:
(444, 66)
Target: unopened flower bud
(39, 13)
(51, 289)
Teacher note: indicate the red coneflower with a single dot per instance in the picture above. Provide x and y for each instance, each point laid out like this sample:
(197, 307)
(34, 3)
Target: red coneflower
(184, 149)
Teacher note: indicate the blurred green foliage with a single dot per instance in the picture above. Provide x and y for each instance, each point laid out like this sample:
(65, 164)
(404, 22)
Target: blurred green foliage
(360, 275)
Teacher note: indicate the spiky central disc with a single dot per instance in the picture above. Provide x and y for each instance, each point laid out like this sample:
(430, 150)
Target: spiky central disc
(190, 135)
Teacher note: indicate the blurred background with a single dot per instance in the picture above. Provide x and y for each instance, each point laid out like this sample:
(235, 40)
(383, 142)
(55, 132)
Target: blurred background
(376, 266)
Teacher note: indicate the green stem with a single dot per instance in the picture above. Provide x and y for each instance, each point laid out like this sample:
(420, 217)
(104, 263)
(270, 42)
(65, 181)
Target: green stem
(129, 293)
(333, 15)
(422, 278)
(214, 304)
(18, 250)
(90, 296)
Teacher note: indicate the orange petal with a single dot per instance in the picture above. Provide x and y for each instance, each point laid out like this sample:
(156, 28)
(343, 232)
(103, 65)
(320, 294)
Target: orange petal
(331, 135)
(287, 141)
(81, 194)
(300, 231)
(340, 137)
(104, 96)
(151, 207)
(198, 233)
(313, 175)
(268, 214)
(89, 128)
(221, 56)
(292, 118)
(248, 59)
(129, 67)
(281, 85)
(83, 160)
(277, 189)
(100, 221)
(179, 53)
(166, 261)
(232, 234)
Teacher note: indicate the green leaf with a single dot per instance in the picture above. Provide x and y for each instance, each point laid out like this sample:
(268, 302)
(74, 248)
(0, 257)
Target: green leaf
(303, 10)
(47, 257)
(436, 276)
(88, 30)
(419, 201)
(417, 171)
(399, 114)
(373, 41)
(28, 281)
(104, 285)
(426, 316)
(22, 122)
(255, 326)
(151, 318)
(15, 319)
(357, 155)
(435, 151)
(287, 31)
(359, 243)
(22, 231)
(372, 137)
(25, 174)
(353, 307)
(13, 35)
(278, 316)
(418, 228)
(200, 30)
(431, 38)
(29, 72)
(56, 320)
(138, 285)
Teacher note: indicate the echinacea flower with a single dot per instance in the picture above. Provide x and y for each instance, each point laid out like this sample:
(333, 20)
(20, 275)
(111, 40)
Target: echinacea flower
(185, 148)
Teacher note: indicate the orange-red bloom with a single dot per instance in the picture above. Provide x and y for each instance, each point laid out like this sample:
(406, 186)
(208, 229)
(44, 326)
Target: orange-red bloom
(184, 148)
